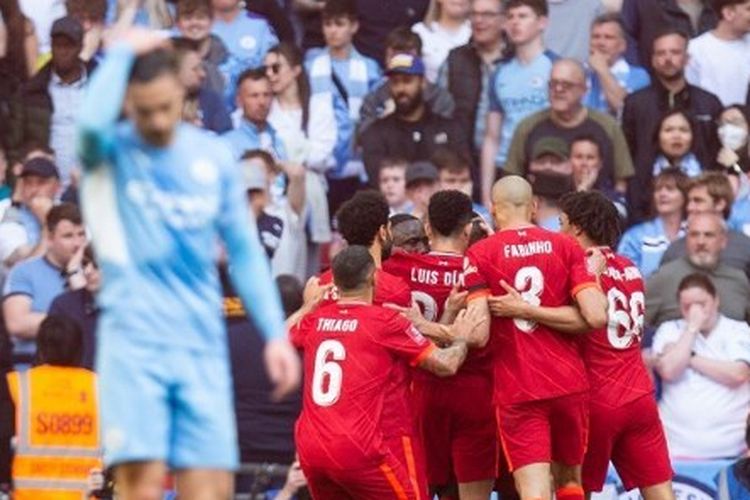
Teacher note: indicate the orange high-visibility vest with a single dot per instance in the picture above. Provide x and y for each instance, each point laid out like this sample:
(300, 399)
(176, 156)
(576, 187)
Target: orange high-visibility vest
(57, 432)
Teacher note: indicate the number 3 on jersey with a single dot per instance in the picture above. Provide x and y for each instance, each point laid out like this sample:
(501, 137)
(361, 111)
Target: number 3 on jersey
(327, 373)
(625, 318)
(529, 282)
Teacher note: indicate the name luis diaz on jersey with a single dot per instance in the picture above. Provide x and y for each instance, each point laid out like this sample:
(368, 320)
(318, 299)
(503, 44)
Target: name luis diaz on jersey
(434, 277)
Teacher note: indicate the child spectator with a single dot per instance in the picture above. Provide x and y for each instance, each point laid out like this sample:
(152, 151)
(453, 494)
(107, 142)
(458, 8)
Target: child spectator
(392, 183)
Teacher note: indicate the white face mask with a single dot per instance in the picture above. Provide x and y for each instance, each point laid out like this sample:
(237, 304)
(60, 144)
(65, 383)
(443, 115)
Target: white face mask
(732, 136)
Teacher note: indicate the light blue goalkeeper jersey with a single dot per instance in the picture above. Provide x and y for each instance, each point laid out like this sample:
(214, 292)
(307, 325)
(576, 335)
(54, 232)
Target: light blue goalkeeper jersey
(157, 216)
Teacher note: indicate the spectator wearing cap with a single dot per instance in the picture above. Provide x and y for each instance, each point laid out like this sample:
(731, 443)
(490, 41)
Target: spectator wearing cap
(421, 184)
(34, 283)
(21, 226)
(549, 155)
(379, 103)
(45, 110)
(567, 118)
(279, 212)
(413, 131)
(548, 188)
(454, 172)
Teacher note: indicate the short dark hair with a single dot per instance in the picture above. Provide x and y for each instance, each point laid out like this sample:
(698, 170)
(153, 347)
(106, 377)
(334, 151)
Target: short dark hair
(450, 160)
(361, 217)
(718, 5)
(291, 291)
(669, 31)
(697, 280)
(610, 17)
(594, 214)
(396, 219)
(151, 65)
(449, 211)
(187, 7)
(339, 8)
(254, 74)
(351, 267)
(403, 39)
(588, 138)
(61, 212)
(59, 342)
(538, 6)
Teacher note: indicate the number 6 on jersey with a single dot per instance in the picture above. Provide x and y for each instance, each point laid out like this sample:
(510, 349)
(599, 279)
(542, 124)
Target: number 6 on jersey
(327, 374)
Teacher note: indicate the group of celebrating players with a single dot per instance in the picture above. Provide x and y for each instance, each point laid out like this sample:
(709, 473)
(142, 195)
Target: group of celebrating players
(423, 371)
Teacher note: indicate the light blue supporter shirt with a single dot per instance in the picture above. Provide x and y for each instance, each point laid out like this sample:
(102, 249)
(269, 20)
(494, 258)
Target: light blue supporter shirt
(645, 244)
(519, 90)
(156, 215)
(41, 281)
(629, 77)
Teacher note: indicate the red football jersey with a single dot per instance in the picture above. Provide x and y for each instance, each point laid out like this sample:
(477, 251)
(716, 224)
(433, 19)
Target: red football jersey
(616, 371)
(532, 361)
(350, 352)
(431, 277)
(389, 289)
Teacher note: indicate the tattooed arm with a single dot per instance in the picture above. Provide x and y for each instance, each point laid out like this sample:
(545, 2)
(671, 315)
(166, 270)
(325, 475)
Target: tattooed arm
(445, 362)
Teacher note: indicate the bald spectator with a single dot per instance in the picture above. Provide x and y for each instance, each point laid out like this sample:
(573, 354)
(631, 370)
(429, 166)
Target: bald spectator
(720, 59)
(610, 77)
(712, 193)
(668, 90)
(706, 238)
(567, 119)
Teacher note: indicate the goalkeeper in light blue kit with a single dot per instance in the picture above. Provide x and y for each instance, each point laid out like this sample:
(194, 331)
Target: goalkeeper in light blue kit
(159, 196)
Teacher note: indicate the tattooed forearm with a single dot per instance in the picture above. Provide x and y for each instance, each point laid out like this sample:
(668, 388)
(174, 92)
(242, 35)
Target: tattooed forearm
(446, 361)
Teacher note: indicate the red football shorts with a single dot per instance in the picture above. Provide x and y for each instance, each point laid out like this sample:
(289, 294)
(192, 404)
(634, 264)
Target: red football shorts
(547, 430)
(457, 423)
(389, 480)
(410, 453)
(626, 435)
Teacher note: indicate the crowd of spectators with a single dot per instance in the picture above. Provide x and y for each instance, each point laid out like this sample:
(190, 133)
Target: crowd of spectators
(647, 101)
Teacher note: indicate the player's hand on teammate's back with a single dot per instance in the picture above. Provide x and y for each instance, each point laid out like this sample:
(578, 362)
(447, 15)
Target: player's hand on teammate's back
(314, 292)
(283, 367)
(456, 300)
(596, 262)
(510, 305)
(466, 323)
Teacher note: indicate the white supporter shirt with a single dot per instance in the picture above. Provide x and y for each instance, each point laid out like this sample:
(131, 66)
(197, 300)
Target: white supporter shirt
(702, 418)
(437, 42)
(721, 67)
(43, 13)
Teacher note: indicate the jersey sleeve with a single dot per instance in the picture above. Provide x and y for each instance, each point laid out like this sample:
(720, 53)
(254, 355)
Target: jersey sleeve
(402, 339)
(102, 106)
(580, 277)
(474, 282)
(19, 282)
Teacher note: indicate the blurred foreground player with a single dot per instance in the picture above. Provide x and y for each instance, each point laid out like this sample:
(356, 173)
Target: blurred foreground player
(350, 349)
(158, 195)
(541, 391)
